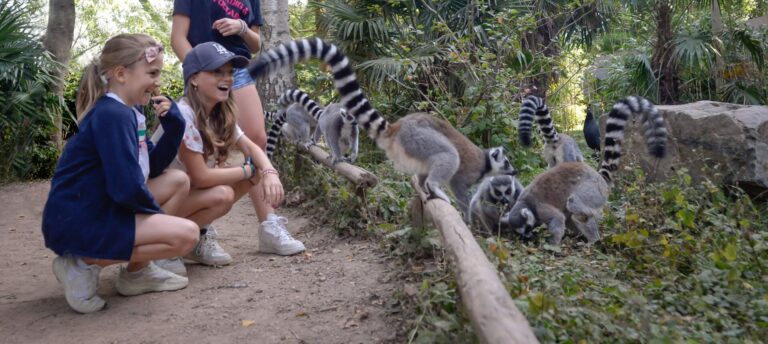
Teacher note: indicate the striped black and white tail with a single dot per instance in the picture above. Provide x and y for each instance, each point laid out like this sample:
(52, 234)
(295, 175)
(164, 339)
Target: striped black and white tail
(534, 108)
(273, 135)
(654, 131)
(302, 98)
(352, 97)
(270, 116)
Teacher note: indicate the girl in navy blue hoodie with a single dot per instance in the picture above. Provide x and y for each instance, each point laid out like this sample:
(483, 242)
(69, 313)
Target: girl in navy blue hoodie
(109, 188)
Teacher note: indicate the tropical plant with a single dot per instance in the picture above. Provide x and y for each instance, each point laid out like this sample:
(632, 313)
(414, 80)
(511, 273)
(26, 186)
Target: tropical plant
(26, 78)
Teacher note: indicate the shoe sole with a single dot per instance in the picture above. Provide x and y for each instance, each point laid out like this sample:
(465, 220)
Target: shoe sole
(209, 263)
(78, 309)
(133, 291)
(282, 253)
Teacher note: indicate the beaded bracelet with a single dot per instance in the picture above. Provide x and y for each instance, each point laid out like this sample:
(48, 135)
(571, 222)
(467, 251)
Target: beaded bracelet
(243, 28)
(270, 171)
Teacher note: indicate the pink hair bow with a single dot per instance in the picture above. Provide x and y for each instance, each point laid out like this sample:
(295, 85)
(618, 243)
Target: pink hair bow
(152, 52)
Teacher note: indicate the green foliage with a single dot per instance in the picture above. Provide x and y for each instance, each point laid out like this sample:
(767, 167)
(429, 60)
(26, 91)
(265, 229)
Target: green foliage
(26, 116)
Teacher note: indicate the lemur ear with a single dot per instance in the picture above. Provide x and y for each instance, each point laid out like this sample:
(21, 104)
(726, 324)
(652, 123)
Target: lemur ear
(495, 153)
(530, 219)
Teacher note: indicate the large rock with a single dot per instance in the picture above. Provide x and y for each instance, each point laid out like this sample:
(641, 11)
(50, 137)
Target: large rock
(727, 143)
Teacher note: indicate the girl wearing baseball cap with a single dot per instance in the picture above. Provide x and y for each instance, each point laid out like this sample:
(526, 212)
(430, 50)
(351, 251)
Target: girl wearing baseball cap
(209, 138)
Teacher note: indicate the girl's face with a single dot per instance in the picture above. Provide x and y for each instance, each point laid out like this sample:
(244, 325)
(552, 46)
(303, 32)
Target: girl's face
(142, 80)
(214, 86)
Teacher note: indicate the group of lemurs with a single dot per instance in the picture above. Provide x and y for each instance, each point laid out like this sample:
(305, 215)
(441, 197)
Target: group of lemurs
(570, 193)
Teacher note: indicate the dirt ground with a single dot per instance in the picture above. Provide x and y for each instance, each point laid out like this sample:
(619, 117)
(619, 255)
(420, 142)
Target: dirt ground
(340, 291)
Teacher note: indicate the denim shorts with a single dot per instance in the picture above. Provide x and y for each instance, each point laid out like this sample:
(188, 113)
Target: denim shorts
(242, 79)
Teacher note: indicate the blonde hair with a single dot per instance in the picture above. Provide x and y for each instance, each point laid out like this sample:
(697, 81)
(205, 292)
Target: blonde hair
(121, 50)
(217, 129)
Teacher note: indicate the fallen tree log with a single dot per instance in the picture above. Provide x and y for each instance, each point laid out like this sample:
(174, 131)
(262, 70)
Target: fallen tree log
(493, 314)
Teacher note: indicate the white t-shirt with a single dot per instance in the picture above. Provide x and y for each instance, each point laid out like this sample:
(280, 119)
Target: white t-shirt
(192, 139)
(142, 134)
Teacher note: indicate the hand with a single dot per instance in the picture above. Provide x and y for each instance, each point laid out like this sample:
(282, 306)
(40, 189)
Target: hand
(228, 26)
(161, 105)
(273, 189)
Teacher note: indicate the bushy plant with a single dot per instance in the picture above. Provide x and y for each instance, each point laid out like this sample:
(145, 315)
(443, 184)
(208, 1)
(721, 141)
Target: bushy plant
(26, 115)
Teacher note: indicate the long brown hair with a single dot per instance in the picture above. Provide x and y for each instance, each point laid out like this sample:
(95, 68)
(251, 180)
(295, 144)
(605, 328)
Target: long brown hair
(217, 129)
(121, 50)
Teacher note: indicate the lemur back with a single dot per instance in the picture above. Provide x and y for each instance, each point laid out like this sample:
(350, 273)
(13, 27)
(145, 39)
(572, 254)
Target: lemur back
(557, 147)
(340, 132)
(572, 194)
(491, 199)
(432, 148)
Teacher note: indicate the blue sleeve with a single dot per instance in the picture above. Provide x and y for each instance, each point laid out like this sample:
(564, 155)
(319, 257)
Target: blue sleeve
(255, 17)
(183, 7)
(162, 154)
(118, 147)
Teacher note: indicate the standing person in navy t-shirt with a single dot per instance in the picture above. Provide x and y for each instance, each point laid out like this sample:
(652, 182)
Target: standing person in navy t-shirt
(235, 24)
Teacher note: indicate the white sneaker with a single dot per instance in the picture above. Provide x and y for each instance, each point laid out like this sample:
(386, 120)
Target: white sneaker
(208, 252)
(149, 279)
(175, 265)
(274, 238)
(80, 283)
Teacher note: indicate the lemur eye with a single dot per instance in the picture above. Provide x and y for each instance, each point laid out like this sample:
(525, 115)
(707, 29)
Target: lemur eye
(508, 192)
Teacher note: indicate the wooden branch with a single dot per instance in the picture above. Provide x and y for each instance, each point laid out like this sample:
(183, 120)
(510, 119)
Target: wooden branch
(491, 310)
(357, 175)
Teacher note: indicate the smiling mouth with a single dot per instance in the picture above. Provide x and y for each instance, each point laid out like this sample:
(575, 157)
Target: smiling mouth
(223, 88)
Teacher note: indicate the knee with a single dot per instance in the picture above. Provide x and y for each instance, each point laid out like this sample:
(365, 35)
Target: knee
(178, 179)
(188, 236)
(223, 194)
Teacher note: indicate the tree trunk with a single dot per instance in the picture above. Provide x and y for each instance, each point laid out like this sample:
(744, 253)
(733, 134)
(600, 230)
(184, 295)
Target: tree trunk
(541, 41)
(274, 32)
(58, 41)
(717, 30)
(667, 71)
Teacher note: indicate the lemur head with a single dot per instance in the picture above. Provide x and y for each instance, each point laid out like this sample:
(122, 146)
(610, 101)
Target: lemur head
(348, 117)
(502, 189)
(521, 220)
(499, 164)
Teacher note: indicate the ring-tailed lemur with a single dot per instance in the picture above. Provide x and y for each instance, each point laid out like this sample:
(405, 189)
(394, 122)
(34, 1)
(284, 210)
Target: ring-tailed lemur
(591, 131)
(293, 120)
(572, 194)
(417, 143)
(557, 148)
(493, 197)
(340, 131)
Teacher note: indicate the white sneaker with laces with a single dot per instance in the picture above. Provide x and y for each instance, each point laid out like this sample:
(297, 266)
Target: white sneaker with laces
(175, 265)
(149, 279)
(208, 252)
(80, 283)
(274, 238)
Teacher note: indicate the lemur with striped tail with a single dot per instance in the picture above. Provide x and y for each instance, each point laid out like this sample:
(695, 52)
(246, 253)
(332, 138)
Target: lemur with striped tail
(417, 143)
(572, 194)
(340, 131)
(493, 197)
(557, 147)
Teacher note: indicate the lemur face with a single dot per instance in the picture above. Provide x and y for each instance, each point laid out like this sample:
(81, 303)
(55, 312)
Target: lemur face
(499, 162)
(522, 222)
(348, 117)
(502, 189)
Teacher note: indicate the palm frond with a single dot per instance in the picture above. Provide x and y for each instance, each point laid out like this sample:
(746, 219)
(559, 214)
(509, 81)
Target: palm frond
(695, 50)
(753, 46)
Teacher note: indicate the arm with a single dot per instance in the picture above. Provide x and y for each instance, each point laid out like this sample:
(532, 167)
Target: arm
(201, 176)
(162, 154)
(179, 31)
(273, 188)
(114, 135)
(252, 38)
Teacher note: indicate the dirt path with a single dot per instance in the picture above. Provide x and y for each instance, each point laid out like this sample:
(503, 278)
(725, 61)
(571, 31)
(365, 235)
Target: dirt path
(338, 292)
